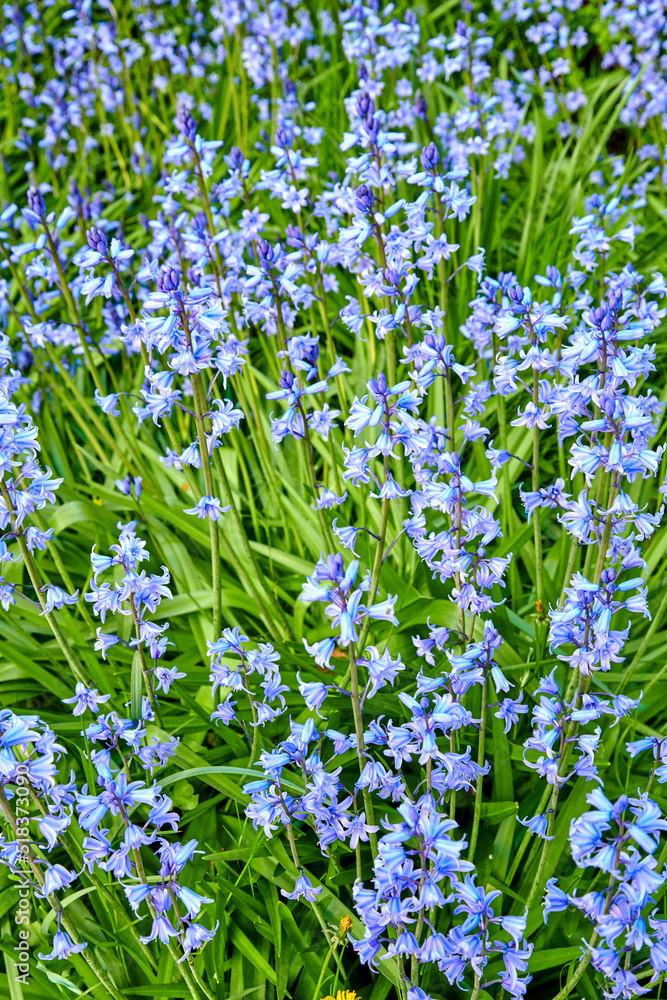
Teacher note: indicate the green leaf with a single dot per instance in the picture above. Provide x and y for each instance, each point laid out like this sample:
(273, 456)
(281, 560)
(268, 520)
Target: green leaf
(496, 812)
(216, 777)
(206, 771)
(157, 990)
(184, 796)
(249, 951)
(552, 958)
(271, 900)
(13, 983)
(136, 687)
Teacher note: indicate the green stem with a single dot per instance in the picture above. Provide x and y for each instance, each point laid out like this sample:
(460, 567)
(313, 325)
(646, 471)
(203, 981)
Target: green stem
(595, 937)
(443, 264)
(324, 525)
(283, 631)
(280, 322)
(375, 580)
(144, 666)
(173, 951)
(606, 534)
(389, 340)
(452, 793)
(569, 569)
(255, 728)
(375, 574)
(71, 305)
(537, 521)
(477, 985)
(72, 659)
(402, 985)
(323, 972)
(84, 406)
(102, 888)
(580, 969)
(567, 739)
(414, 961)
(521, 850)
(62, 569)
(88, 954)
(131, 313)
(359, 732)
(652, 629)
(225, 547)
(297, 862)
(544, 854)
(480, 763)
(189, 959)
(197, 391)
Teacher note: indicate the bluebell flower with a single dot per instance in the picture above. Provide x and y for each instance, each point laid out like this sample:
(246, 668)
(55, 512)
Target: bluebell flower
(56, 597)
(510, 711)
(108, 404)
(63, 947)
(161, 929)
(328, 499)
(7, 591)
(322, 651)
(129, 485)
(165, 677)
(85, 698)
(209, 507)
(537, 825)
(303, 888)
(313, 694)
(195, 937)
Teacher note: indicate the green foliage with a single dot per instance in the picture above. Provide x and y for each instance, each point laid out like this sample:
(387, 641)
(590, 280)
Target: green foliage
(266, 947)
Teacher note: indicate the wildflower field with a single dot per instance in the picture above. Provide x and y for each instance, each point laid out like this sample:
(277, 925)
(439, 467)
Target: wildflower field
(332, 479)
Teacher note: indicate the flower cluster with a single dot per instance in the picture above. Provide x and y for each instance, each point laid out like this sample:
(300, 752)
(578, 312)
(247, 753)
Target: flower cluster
(391, 419)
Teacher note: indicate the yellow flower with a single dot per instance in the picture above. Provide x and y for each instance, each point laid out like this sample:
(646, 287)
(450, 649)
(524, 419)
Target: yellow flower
(343, 995)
